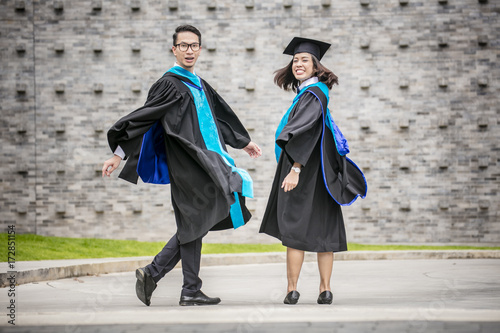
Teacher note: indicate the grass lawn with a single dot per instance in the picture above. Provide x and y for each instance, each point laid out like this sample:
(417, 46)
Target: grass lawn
(34, 247)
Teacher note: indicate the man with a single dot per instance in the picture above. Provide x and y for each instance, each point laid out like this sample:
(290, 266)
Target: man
(179, 137)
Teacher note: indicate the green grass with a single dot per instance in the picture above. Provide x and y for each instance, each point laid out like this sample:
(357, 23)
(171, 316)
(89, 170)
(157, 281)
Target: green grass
(34, 247)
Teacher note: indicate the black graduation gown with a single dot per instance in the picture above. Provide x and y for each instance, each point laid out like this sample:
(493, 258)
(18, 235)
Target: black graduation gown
(306, 218)
(202, 184)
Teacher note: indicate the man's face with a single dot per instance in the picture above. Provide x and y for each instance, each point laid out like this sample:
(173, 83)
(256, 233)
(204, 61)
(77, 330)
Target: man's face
(186, 59)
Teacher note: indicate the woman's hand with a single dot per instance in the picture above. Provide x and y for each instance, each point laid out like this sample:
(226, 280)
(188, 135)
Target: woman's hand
(292, 179)
(253, 150)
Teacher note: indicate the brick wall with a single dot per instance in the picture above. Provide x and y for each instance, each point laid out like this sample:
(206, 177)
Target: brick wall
(418, 102)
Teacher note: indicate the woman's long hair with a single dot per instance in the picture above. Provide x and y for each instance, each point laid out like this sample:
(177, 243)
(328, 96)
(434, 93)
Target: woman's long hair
(285, 79)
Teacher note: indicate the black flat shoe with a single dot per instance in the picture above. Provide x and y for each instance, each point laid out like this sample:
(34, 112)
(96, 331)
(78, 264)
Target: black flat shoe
(292, 297)
(326, 297)
(199, 299)
(145, 285)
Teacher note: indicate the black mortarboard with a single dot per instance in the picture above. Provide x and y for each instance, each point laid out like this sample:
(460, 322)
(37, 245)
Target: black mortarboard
(314, 47)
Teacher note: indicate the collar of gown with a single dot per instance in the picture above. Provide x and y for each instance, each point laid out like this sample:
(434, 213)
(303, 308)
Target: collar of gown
(307, 82)
(177, 65)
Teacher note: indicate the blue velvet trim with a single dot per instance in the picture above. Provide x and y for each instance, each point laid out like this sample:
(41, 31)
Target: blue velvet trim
(152, 165)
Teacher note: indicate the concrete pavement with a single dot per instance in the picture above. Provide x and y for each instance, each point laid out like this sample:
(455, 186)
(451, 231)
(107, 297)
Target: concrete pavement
(43, 270)
(427, 295)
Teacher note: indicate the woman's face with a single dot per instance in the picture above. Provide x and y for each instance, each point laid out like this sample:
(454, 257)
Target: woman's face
(302, 66)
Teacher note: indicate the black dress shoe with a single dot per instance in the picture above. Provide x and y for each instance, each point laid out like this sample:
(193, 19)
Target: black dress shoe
(326, 297)
(199, 299)
(145, 285)
(292, 297)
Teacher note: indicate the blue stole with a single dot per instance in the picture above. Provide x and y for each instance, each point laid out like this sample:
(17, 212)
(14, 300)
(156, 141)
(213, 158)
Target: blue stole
(340, 140)
(210, 135)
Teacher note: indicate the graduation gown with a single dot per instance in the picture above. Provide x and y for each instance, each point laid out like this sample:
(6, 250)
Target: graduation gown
(203, 185)
(309, 217)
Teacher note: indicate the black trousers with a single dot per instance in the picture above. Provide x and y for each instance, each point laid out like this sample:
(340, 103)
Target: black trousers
(169, 256)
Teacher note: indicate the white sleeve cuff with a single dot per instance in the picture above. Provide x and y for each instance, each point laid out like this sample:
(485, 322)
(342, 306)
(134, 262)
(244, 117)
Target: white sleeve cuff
(119, 152)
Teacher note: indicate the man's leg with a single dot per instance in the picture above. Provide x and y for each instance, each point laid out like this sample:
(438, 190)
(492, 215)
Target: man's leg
(190, 254)
(162, 263)
(166, 259)
(191, 289)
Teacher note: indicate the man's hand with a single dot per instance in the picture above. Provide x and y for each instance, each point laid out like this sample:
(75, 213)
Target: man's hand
(111, 165)
(253, 150)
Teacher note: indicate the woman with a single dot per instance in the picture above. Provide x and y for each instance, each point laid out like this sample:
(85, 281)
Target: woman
(313, 178)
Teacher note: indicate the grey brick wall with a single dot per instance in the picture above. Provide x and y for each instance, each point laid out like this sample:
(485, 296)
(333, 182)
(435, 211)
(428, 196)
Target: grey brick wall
(418, 102)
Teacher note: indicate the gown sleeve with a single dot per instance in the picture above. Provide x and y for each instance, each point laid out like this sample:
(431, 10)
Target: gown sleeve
(233, 131)
(303, 130)
(128, 132)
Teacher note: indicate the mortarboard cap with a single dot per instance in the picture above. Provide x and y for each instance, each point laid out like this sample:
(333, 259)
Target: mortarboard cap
(314, 47)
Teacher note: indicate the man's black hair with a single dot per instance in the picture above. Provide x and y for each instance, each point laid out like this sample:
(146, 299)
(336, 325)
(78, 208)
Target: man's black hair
(184, 28)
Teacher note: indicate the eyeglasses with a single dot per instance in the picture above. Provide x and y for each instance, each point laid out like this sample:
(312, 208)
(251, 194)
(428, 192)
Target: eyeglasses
(184, 47)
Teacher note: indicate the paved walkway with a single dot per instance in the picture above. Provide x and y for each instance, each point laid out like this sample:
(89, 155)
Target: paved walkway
(43, 270)
(427, 295)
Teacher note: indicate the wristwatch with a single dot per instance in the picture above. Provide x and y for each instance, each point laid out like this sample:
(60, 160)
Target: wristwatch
(297, 170)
